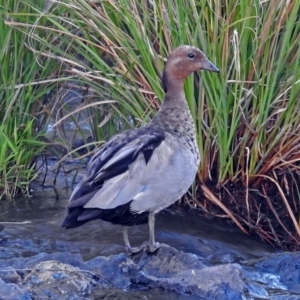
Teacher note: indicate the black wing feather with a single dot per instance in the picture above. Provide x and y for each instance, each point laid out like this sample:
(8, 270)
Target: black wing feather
(148, 139)
(148, 142)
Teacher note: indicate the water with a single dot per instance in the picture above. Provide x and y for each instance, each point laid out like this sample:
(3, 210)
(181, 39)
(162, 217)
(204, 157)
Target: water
(154, 294)
(183, 229)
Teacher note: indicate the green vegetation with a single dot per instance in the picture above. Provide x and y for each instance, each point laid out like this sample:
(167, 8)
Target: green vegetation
(247, 117)
(21, 95)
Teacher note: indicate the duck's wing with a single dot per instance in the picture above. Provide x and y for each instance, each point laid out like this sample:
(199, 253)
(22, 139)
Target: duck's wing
(113, 174)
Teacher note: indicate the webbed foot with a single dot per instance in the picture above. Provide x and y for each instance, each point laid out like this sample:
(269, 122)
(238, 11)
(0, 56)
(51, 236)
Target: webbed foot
(133, 250)
(155, 246)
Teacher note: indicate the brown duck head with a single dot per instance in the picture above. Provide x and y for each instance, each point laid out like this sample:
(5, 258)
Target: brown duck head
(183, 61)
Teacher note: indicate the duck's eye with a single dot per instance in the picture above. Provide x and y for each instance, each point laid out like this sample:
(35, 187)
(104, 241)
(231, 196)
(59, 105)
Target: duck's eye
(191, 55)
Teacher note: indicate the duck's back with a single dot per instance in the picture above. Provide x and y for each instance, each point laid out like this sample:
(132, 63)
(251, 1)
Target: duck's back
(138, 171)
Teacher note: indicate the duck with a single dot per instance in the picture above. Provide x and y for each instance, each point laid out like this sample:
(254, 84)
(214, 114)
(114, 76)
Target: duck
(141, 171)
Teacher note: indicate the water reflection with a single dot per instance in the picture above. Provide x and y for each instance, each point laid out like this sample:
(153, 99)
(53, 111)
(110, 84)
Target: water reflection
(183, 229)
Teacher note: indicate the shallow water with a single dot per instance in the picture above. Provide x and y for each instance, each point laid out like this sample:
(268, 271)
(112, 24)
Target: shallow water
(154, 294)
(181, 228)
(184, 229)
(178, 227)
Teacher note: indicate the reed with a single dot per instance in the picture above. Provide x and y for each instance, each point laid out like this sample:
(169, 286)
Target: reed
(247, 117)
(24, 84)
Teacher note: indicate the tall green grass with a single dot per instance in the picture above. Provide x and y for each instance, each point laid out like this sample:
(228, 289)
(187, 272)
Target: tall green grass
(21, 100)
(247, 117)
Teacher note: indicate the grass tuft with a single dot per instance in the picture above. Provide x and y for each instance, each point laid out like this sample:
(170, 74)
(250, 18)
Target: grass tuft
(247, 118)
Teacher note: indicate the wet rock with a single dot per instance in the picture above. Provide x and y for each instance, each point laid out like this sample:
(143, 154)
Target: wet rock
(56, 280)
(177, 262)
(218, 282)
(286, 265)
(65, 276)
(173, 270)
(263, 282)
(28, 262)
(78, 145)
(11, 291)
(118, 270)
(9, 275)
(268, 280)
(285, 297)
(223, 257)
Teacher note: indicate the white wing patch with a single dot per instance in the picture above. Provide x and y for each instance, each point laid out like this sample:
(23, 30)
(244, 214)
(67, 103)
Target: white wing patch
(135, 184)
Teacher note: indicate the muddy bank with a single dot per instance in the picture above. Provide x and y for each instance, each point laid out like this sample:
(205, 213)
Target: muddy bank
(267, 218)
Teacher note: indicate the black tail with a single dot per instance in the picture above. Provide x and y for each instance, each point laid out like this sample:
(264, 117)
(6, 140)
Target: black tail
(72, 219)
(122, 215)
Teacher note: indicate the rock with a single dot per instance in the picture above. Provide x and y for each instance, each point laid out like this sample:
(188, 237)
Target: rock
(219, 282)
(270, 281)
(9, 275)
(57, 280)
(28, 262)
(221, 257)
(177, 262)
(65, 276)
(286, 265)
(115, 269)
(173, 270)
(11, 291)
(79, 143)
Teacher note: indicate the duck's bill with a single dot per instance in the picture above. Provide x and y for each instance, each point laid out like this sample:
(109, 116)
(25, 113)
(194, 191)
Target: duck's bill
(209, 66)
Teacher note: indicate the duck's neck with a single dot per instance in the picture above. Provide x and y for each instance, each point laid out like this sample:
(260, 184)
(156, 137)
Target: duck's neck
(175, 91)
(175, 95)
(174, 111)
(172, 83)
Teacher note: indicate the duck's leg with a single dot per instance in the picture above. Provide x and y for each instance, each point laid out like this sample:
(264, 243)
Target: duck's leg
(128, 248)
(152, 244)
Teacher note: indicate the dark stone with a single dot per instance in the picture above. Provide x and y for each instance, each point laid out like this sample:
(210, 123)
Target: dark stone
(9, 275)
(56, 280)
(11, 291)
(28, 262)
(66, 276)
(221, 257)
(115, 269)
(182, 272)
(176, 262)
(79, 143)
(286, 265)
(172, 270)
